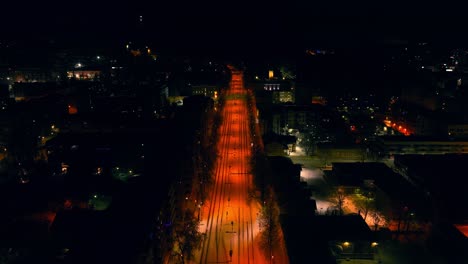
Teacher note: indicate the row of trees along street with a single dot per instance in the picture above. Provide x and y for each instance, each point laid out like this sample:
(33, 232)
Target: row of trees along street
(269, 215)
(186, 237)
(205, 153)
(269, 223)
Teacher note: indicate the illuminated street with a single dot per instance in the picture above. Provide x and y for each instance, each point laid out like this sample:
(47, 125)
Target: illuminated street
(163, 132)
(229, 220)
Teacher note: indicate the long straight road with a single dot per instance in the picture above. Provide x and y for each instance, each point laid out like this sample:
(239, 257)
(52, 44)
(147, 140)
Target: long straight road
(229, 219)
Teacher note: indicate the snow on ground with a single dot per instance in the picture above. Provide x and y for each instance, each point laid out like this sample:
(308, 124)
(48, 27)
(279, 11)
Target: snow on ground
(312, 175)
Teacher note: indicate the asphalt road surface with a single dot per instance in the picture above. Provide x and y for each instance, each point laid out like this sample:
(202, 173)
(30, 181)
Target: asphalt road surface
(229, 220)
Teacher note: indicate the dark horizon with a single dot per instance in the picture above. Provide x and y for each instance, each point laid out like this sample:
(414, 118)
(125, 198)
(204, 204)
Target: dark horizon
(213, 28)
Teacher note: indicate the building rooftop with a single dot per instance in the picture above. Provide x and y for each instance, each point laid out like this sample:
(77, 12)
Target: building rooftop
(441, 176)
(318, 231)
(354, 173)
(346, 227)
(413, 138)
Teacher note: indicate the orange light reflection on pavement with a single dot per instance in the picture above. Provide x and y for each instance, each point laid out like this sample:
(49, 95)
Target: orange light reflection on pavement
(229, 220)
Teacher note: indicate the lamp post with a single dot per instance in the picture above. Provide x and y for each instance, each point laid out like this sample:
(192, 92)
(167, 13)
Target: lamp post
(199, 211)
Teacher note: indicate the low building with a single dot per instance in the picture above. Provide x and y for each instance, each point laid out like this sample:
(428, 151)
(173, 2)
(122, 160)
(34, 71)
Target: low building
(84, 74)
(206, 90)
(29, 90)
(441, 177)
(298, 117)
(34, 74)
(329, 238)
(334, 152)
(458, 130)
(279, 145)
(393, 197)
(276, 91)
(388, 146)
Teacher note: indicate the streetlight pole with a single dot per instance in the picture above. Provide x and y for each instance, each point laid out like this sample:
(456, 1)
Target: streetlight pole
(199, 212)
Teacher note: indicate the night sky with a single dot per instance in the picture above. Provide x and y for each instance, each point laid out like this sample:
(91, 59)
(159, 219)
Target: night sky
(233, 26)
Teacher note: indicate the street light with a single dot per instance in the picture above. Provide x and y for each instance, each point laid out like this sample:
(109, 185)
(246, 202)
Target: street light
(199, 211)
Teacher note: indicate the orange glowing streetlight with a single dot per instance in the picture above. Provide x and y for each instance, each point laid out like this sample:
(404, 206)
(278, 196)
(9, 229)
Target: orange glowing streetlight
(72, 109)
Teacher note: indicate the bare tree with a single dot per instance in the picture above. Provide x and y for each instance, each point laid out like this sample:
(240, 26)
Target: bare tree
(366, 203)
(269, 221)
(187, 236)
(338, 197)
(376, 219)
